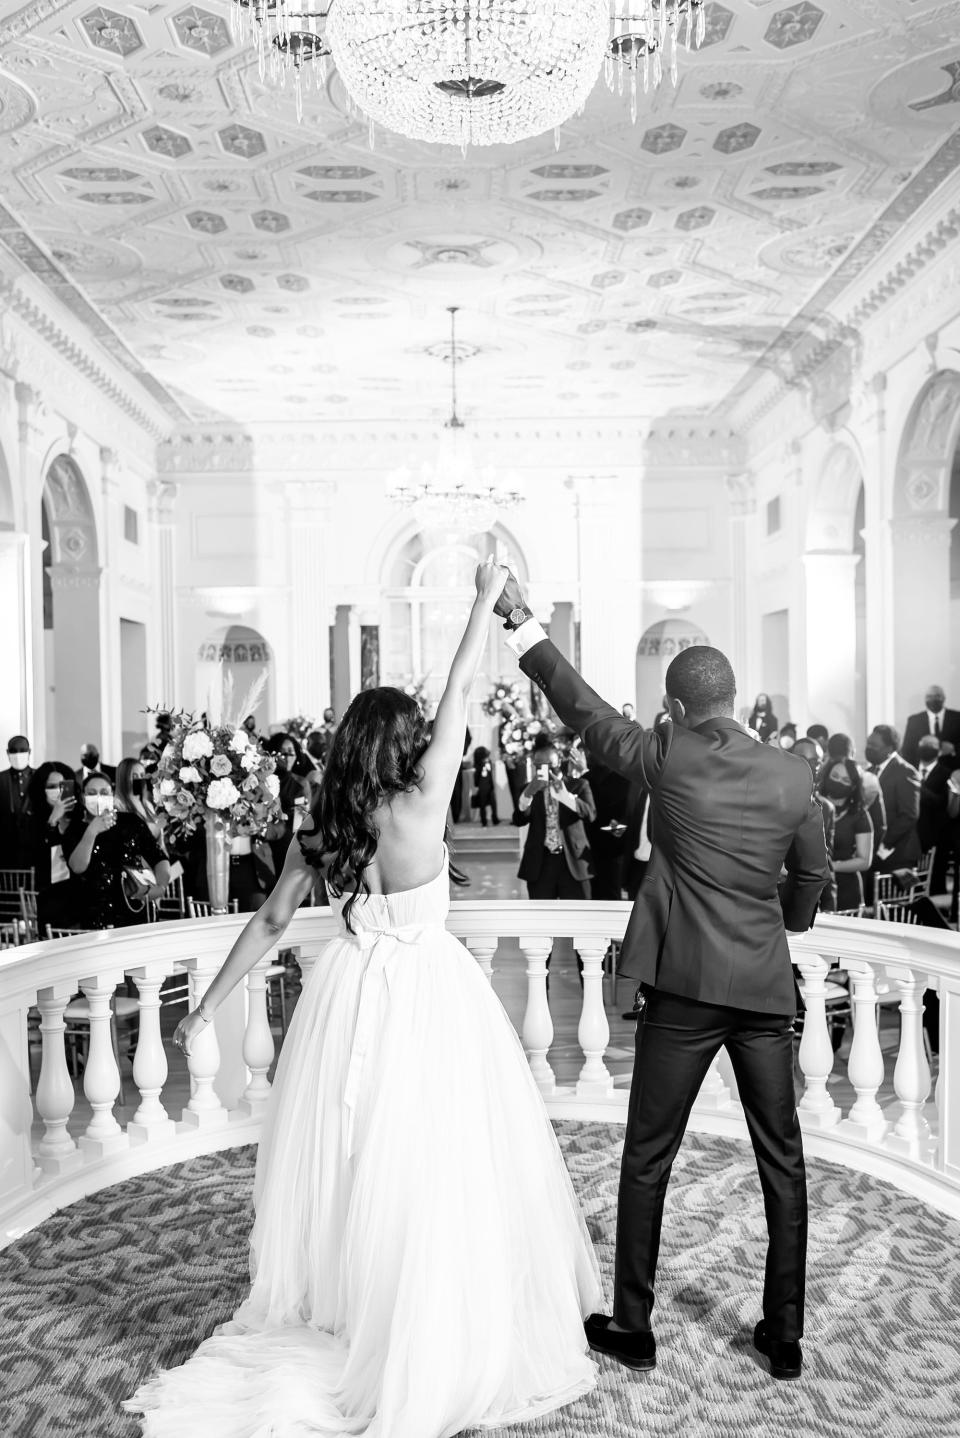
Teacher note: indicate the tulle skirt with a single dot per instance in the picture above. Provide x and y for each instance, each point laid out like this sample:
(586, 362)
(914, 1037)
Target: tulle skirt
(419, 1261)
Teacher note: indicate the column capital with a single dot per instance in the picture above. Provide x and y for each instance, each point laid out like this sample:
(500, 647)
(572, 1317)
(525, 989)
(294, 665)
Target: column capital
(927, 531)
(741, 486)
(68, 576)
(310, 500)
(29, 410)
(162, 494)
(109, 466)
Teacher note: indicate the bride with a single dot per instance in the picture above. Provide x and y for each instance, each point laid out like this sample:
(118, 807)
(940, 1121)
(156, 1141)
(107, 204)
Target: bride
(419, 1262)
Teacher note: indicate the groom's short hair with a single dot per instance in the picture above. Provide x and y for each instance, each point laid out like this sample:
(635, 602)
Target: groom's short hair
(702, 679)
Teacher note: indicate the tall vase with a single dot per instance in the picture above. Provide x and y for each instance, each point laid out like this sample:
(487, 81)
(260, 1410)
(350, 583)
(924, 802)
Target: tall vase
(218, 829)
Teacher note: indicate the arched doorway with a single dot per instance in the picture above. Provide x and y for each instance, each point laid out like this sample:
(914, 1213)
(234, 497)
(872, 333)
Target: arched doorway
(71, 617)
(835, 601)
(658, 645)
(924, 545)
(230, 663)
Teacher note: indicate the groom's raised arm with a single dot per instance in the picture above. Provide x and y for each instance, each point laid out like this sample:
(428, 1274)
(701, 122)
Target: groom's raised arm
(620, 744)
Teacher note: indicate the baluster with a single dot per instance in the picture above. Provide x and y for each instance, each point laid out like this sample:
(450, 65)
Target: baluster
(816, 1108)
(55, 1094)
(714, 1095)
(483, 948)
(911, 1077)
(537, 1033)
(865, 1064)
(204, 1109)
(258, 1046)
(151, 1122)
(593, 1031)
(101, 1076)
(307, 954)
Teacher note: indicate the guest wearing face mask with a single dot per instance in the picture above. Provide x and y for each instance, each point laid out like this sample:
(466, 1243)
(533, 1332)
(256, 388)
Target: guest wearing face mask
(935, 720)
(899, 846)
(294, 797)
(52, 804)
(787, 736)
(133, 795)
(810, 751)
(16, 830)
(100, 845)
(90, 764)
(852, 851)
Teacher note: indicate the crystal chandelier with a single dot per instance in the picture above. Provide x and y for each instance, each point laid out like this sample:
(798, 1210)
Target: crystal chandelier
(451, 492)
(470, 72)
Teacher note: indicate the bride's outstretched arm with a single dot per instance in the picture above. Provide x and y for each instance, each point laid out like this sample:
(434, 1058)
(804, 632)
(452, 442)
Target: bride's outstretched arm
(258, 935)
(442, 760)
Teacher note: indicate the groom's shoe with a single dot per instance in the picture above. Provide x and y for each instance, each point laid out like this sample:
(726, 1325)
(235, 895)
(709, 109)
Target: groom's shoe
(637, 1350)
(786, 1359)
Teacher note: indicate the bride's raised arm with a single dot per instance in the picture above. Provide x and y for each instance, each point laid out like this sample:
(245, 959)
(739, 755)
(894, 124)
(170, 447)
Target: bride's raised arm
(443, 757)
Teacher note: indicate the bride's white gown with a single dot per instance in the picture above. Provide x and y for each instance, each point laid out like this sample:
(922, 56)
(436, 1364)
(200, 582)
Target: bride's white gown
(420, 1264)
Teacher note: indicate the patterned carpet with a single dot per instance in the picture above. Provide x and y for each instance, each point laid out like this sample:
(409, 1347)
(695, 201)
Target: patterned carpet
(140, 1273)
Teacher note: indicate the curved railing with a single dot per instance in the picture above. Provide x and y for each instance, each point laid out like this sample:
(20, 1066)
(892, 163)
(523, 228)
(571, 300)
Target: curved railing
(893, 1131)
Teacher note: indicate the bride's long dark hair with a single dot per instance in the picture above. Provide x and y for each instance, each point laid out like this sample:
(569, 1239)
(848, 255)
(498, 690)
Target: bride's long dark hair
(375, 754)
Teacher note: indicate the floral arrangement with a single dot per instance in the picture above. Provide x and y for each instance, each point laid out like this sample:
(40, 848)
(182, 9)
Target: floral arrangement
(506, 700)
(299, 726)
(215, 766)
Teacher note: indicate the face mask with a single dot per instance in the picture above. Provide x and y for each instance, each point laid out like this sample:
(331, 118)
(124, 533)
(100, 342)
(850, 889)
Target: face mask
(935, 706)
(96, 804)
(786, 742)
(873, 755)
(52, 795)
(87, 761)
(138, 786)
(18, 761)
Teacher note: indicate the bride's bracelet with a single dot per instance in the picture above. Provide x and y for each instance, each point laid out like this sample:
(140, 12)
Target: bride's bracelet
(207, 1018)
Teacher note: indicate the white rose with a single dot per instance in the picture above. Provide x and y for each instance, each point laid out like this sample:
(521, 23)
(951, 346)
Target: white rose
(239, 742)
(188, 775)
(169, 786)
(197, 745)
(272, 785)
(249, 760)
(222, 794)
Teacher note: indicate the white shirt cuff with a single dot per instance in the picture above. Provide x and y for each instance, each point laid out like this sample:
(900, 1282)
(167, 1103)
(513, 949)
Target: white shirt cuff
(522, 640)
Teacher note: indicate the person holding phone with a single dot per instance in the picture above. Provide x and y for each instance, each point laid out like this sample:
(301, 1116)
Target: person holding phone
(52, 802)
(556, 806)
(100, 844)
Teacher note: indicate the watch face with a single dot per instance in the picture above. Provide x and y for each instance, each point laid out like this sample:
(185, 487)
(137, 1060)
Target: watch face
(518, 616)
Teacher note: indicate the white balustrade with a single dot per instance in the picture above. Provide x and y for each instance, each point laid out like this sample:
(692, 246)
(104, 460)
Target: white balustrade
(865, 1065)
(816, 1108)
(151, 1123)
(537, 1031)
(55, 1094)
(892, 1129)
(593, 1031)
(258, 1046)
(101, 1075)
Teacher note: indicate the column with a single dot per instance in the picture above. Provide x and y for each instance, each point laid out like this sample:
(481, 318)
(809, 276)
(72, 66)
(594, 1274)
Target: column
(78, 716)
(561, 629)
(163, 635)
(830, 636)
(742, 489)
(920, 553)
(879, 457)
(354, 649)
(610, 557)
(110, 736)
(368, 618)
(308, 517)
(16, 639)
(31, 488)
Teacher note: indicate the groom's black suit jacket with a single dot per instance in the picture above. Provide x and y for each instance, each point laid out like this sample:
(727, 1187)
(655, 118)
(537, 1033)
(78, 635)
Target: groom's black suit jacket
(728, 814)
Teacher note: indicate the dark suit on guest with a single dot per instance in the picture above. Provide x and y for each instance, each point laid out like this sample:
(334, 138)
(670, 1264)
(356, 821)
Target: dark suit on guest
(918, 726)
(16, 826)
(706, 939)
(109, 771)
(569, 876)
(935, 829)
(900, 787)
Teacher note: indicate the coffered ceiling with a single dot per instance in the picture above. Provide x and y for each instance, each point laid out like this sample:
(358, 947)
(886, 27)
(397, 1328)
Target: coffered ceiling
(254, 268)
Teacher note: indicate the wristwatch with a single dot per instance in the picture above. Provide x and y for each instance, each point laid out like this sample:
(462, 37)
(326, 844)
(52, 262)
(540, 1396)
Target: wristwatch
(517, 616)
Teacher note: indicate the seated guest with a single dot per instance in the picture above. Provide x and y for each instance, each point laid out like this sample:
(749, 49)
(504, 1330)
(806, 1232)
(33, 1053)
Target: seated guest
(810, 751)
(898, 847)
(16, 831)
(556, 862)
(51, 808)
(484, 794)
(852, 852)
(935, 829)
(90, 764)
(100, 845)
(762, 719)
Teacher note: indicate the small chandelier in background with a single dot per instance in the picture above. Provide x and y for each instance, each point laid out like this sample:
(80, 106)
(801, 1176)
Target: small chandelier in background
(470, 72)
(451, 492)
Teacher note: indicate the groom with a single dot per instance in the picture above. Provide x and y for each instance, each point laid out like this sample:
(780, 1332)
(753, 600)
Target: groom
(707, 943)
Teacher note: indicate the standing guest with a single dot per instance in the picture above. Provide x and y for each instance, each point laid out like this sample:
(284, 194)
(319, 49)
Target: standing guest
(90, 764)
(853, 834)
(315, 745)
(556, 861)
(16, 833)
(484, 794)
(607, 831)
(133, 795)
(809, 750)
(935, 829)
(762, 719)
(819, 733)
(628, 711)
(327, 730)
(100, 845)
(934, 719)
(51, 808)
(250, 726)
(898, 847)
(294, 798)
(456, 798)
(787, 736)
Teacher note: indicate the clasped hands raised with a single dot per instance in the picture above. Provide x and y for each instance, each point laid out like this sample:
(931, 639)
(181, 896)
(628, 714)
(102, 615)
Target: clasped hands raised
(498, 583)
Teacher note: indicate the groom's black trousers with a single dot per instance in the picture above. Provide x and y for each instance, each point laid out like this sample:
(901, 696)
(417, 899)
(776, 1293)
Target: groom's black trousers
(677, 1040)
